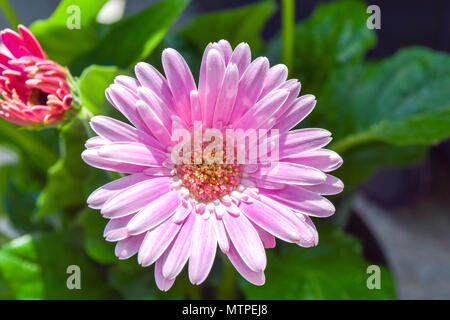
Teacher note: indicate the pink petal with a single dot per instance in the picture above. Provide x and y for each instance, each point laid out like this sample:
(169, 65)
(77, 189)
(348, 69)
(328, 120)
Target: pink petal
(227, 95)
(267, 239)
(132, 153)
(273, 221)
(322, 159)
(258, 114)
(125, 102)
(149, 77)
(296, 142)
(178, 252)
(116, 130)
(250, 86)
(196, 110)
(215, 70)
(302, 200)
(159, 107)
(331, 186)
(154, 122)
(246, 241)
(182, 213)
(154, 213)
(128, 247)
(311, 225)
(275, 77)
(298, 111)
(32, 44)
(290, 173)
(181, 81)
(98, 198)
(294, 89)
(163, 283)
(297, 221)
(203, 250)
(116, 226)
(226, 50)
(135, 197)
(128, 82)
(241, 57)
(157, 241)
(14, 43)
(221, 233)
(96, 141)
(256, 278)
(91, 157)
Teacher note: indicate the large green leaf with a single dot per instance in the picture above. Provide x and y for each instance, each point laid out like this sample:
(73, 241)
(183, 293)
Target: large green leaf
(402, 100)
(134, 38)
(35, 267)
(363, 160)
(92, 83)
(370, 107)
(243, 24)
(63, 44)
(332, 270)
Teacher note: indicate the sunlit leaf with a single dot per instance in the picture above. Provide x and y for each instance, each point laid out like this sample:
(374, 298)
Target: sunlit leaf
(65, 45)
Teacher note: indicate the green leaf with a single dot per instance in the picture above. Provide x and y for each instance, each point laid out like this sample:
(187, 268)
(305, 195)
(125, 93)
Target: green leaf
(332, 270)
(65, 45)
(243, 24)
(67, 178)
(34, 267)
(134, 38)
(364, 160)
(96, 246)
(92, 83)
(403, 100)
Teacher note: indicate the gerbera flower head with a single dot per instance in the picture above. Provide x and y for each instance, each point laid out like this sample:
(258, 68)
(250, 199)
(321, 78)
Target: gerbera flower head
(194, 179)
(33, 89)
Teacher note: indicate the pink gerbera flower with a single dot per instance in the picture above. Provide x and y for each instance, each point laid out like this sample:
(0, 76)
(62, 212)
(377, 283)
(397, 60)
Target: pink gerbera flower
(33, 88)
(169, 213)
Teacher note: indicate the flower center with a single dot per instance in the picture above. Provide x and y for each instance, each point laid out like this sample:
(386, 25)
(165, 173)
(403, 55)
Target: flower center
(209, 181)
(37, 97)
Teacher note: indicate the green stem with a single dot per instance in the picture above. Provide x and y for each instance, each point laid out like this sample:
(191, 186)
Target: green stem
(288, 30)
(9, 13)
(351, 141)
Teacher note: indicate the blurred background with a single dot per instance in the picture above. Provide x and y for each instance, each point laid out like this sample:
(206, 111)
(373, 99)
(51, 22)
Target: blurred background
(401, 214)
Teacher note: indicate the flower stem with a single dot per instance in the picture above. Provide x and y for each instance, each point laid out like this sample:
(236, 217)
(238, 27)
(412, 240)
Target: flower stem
(351, 141)
(288, 30)
(9, 13)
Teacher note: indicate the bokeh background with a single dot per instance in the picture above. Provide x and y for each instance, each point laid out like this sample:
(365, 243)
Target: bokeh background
(400, 212)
